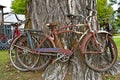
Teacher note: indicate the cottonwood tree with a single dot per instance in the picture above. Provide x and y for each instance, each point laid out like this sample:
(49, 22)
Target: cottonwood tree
(43, 11)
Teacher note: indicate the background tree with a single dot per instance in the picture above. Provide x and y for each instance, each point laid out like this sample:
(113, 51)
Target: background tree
(117, 15)
(19, 6)
(105, 12)
(104, 9)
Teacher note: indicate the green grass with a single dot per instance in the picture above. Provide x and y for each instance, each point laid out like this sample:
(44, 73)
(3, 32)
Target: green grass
(3, 57)
(117, 41)
(3, 60)
(117, 34)
(8, 72)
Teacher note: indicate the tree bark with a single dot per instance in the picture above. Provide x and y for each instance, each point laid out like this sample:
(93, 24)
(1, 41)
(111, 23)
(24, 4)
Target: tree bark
(43, 11)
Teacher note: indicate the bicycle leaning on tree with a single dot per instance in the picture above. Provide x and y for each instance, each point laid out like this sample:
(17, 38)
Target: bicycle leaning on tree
(36, 52)
(17, 32)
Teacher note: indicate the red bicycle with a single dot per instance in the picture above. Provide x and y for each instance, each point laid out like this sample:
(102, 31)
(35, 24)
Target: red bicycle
(16, 33)
(97, 47)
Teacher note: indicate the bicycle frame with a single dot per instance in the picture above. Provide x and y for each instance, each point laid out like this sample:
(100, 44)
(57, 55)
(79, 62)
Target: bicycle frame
(60, 45)
(53, 36)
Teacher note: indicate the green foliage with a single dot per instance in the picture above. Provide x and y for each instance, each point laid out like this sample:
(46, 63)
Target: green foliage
(19, 6)
(112, 2)
(117, 21)
(104, 10)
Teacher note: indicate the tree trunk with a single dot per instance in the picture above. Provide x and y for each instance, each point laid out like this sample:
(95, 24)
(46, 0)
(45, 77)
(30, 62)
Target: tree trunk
(43, 11)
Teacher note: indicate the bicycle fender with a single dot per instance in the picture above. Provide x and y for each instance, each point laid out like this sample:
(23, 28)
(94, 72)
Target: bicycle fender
(14, 39)
(104, 32)
(84, 42)
(88, 36)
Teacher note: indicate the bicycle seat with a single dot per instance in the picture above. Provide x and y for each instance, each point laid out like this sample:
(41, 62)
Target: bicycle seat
(51, 25)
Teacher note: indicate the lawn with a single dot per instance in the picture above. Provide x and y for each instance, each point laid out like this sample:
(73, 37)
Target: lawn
(8, 72)
(117, 40)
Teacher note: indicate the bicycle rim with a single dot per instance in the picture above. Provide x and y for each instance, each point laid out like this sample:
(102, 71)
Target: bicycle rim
(13, 58)
(42, 62)
(100, 61)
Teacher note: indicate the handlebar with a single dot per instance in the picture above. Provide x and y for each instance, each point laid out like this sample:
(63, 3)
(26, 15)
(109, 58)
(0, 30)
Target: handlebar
(12, 13)
(91, 14)
(19, 23)
(72, 16)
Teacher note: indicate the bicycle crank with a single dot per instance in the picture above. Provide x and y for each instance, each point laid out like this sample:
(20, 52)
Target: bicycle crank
(61, 57)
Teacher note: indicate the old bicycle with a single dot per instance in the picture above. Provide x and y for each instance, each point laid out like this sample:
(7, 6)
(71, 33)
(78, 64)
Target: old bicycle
(97, 47)
(16, 33)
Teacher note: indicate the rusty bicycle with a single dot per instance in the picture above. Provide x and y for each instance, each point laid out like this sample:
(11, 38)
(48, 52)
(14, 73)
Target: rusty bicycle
(97, 47)
(17, 31)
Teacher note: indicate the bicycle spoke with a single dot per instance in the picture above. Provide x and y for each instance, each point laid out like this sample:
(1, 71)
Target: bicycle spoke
(102, 56)
(32, 60)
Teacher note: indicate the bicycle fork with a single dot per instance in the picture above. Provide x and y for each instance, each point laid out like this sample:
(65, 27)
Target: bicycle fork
(97, 43)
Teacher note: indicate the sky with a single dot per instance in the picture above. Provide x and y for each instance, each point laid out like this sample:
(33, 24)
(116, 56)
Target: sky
(6, 3)
(115, 7)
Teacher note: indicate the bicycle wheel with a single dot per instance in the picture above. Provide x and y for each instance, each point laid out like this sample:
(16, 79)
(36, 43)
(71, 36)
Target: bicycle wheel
(13, 58)
(43, 59)
(20, 46)
(101, 56)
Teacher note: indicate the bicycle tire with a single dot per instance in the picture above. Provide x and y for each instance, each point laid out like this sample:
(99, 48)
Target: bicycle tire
(13, 58)
(101, 61)
(14, 50)
(43, 59)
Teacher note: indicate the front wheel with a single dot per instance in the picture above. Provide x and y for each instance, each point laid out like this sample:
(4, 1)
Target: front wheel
(100, 55)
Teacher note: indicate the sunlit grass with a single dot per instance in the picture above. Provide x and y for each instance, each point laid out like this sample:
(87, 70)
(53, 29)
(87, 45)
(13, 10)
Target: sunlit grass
(8, 72)
(4, 56)
(117, 41)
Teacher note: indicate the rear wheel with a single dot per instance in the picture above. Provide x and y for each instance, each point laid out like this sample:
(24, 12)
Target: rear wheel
(43, 60)
(101, 56)
(13, 57)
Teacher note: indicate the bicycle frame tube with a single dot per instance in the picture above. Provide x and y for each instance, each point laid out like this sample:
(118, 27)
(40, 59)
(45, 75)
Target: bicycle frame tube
(29, 39)
(47, 51)
(16, 32)
(79, 40)
(62, 31)
(55, 39)
(45, 38)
